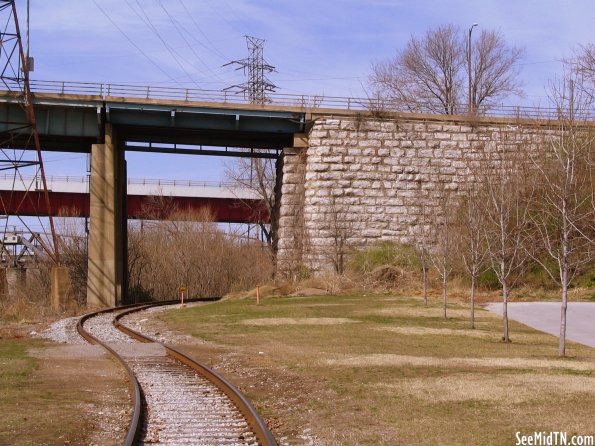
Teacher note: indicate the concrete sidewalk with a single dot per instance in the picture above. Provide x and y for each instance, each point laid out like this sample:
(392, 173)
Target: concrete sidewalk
(545, 316)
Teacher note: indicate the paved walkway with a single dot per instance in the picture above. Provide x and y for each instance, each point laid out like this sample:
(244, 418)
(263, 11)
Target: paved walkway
(545, 316)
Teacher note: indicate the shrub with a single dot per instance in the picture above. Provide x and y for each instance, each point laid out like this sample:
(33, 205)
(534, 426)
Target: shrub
(385, 253)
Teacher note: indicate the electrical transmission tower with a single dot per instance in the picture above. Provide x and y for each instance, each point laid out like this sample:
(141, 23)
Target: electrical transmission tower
(21, 161)
(255, 90)
(257, 86)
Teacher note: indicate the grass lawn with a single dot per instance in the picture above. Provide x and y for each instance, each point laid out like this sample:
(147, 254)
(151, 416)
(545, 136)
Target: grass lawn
(385, 370)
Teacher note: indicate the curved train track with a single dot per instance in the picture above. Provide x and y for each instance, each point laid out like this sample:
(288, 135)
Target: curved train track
(177, 400)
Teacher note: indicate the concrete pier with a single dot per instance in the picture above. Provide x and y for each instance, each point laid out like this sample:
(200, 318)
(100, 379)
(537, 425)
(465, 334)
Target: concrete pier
(107, 234)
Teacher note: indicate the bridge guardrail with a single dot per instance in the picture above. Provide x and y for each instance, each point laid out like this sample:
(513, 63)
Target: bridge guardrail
(135, 181)
(306, 102)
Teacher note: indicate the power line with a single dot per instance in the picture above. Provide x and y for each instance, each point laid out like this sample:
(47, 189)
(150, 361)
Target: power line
(216, 50)
(147, 21)
(132, 42)
(178, 28)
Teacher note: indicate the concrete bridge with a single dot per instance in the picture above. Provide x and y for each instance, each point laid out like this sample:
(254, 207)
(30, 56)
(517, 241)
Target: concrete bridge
(145, 198)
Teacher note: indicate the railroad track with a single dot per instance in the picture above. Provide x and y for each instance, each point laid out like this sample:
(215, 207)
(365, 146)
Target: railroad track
(177, 400)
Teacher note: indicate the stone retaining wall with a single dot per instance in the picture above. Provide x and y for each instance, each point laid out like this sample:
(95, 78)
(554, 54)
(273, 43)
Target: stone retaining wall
(368, 180)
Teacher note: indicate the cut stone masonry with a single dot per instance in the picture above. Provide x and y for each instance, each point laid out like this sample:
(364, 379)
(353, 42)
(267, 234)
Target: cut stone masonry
(381, 173)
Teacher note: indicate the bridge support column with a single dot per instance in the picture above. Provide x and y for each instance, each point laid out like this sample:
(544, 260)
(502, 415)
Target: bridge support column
(106, 282)
(292, 236)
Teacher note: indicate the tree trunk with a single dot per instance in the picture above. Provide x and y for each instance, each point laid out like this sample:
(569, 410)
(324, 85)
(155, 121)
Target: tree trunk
(563, 319)
(505, 292)
(444, 292)
(472, 300)
(425, 283)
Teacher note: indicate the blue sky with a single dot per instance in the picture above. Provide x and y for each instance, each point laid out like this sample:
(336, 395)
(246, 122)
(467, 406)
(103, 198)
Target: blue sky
(318, 47)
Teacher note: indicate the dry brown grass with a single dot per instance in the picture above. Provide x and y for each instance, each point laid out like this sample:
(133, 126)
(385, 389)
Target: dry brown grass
(401, 375)
(298, 321)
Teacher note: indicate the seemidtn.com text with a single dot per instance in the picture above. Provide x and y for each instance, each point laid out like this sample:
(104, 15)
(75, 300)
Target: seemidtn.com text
(553, 439)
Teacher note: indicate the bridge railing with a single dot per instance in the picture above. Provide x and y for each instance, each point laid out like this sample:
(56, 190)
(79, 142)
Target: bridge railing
(136, 181)
(308, 102)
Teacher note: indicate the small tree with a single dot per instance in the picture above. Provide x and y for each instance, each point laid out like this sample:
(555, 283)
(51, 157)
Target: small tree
(471, 238)
(562, 211)
(422, 240)
(341, 230)
(504, 205)
(441, 255)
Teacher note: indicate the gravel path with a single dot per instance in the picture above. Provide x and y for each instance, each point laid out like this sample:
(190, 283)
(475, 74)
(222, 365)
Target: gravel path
(63, 332)
(183, 408)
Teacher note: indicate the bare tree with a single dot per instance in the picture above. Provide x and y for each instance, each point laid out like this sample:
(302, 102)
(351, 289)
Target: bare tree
(430, 74)
(191, 250)
(581, 70)
(257, 175)
(494, 69)
(427, 75)
(471, 240)
(341, 230)
(582, 67)
(562, 214)
(422, 240)
(504, 196)
(441, 255)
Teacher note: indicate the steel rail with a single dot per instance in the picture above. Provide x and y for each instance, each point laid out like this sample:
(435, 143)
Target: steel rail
(134, 428)
(254, 420)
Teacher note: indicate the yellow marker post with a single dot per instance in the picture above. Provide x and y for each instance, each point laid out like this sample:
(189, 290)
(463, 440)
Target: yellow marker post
(257, 294)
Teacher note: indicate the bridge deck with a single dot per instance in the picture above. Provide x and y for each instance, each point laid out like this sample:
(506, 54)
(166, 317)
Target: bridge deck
(146, 199)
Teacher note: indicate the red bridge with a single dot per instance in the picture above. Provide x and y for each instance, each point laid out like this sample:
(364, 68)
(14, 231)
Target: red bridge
(146, 199)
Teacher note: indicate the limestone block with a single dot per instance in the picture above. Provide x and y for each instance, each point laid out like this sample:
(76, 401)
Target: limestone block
(318, 167)
(339, 167)
(320, 150)
(448, 144)
(292, 178)
(451, 128)
(318, 133)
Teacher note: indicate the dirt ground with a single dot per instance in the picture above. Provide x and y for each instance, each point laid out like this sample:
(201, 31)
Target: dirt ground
(58, 394)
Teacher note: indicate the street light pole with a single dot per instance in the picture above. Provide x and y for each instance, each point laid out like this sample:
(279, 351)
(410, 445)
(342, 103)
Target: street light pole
(469, 101)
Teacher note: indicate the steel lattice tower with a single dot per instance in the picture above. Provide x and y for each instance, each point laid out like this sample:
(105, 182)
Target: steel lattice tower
(257, 86)
(20, 149)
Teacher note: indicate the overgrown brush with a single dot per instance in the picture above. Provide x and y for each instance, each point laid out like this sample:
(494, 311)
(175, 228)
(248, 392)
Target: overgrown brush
(192, 251)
